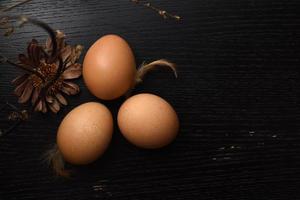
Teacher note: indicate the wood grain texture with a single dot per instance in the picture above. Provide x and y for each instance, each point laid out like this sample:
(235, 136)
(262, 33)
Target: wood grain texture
(237, 97)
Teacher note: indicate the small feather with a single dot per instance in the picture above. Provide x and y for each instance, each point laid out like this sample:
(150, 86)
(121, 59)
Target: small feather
(145, 68)
(55, 160)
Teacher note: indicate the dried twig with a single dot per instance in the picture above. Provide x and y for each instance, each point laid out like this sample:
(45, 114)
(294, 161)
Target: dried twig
(161, 12)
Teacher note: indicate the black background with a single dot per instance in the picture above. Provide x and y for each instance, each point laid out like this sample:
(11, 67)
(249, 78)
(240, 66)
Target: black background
(237, 97)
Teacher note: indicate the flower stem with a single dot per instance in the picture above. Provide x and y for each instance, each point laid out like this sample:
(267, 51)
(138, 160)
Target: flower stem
(47, 28)
(26, 68)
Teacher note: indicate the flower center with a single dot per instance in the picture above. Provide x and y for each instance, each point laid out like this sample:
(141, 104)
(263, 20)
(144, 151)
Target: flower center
(48, 71)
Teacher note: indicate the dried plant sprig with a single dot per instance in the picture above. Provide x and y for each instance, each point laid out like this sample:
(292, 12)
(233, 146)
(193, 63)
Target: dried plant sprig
(54, 159)
(161, 12)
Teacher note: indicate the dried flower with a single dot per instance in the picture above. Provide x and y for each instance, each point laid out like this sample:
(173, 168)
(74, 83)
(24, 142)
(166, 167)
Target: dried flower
(45, 81)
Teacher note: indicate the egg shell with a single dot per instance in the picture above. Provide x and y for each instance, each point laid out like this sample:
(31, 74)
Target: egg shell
(85, 133)
(109, 67)
(148, 121)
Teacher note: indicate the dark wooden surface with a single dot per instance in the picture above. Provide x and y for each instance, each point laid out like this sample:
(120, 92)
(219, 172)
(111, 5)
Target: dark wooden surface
(237, 97)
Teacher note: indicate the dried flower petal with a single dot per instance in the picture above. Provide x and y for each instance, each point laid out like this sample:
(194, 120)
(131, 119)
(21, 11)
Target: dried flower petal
(26, 93)
(66, 52)
(73, 72)
(49, 99)
(39, 106)
(66, 90)
(75, 66)
(54, 107)
(48, 45)
(78, 50)
(34, 52)
(25, 61)
(60, 37)
(61, 99)
(76, 53)
(70, 88)
(35, 95)
(20, 88)
(19, 79)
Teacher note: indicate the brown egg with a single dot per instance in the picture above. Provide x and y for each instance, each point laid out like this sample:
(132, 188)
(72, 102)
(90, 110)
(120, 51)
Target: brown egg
(85, 133)
(148, 121)
(109, 67)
